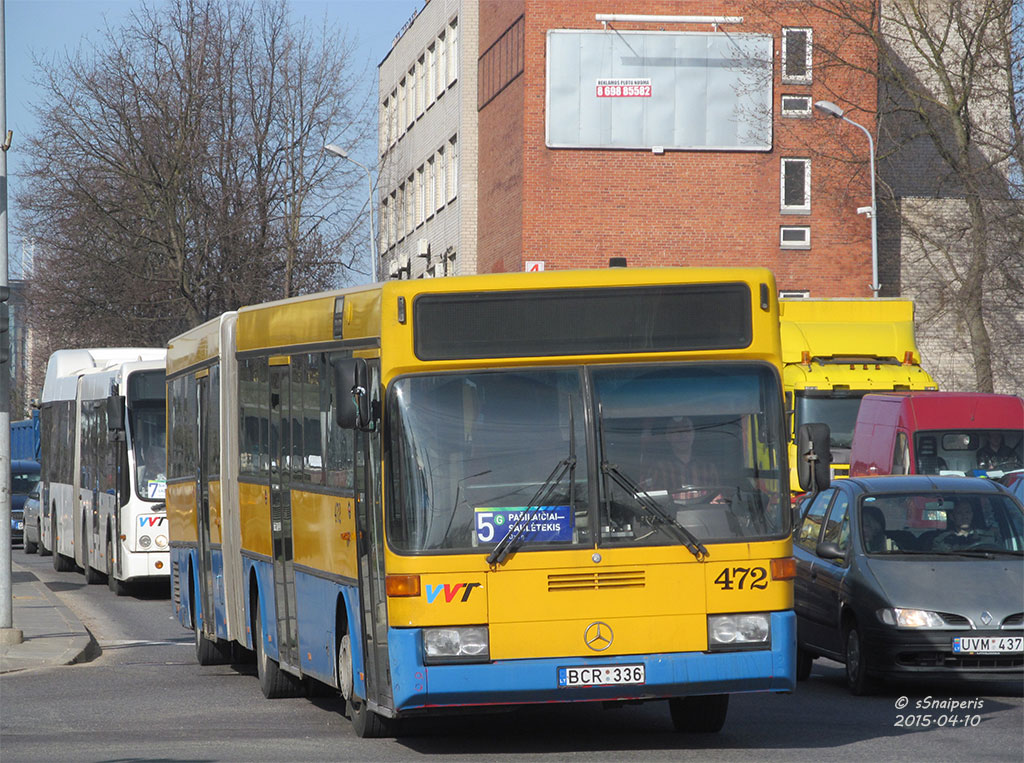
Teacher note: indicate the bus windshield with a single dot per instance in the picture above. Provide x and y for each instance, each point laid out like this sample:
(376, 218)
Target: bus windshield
(146, 406)
(569, 457)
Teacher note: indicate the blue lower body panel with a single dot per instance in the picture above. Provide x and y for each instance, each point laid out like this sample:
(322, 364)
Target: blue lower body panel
(506, 682)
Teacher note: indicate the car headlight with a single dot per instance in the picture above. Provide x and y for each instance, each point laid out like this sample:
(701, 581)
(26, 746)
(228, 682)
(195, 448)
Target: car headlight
(145, 541)
(455, 644)
(745, 631)
(910, 618)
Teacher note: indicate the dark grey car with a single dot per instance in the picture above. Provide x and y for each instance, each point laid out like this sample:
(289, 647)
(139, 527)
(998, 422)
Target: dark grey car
(912, 577)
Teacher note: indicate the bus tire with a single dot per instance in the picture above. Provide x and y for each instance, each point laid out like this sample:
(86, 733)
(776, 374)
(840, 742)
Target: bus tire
(61, 563)
(29, 547)
(274, 682)
(92, 577)
(700, 715)
(211, 651)
(118, 587)
(366, 723)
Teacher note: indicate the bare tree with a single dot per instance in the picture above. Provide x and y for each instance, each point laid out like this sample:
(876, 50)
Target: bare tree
(951, 150)
(179, 170)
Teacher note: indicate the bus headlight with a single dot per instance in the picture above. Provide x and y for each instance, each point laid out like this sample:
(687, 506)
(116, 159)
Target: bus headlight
(744, 631)
(456, 644)
(161, 541)
(145, 541)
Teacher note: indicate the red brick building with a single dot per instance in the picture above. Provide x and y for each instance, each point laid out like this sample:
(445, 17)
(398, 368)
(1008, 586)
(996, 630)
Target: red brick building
(576, 207)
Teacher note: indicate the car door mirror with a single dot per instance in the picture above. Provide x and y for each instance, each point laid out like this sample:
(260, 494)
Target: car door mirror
(829, 550)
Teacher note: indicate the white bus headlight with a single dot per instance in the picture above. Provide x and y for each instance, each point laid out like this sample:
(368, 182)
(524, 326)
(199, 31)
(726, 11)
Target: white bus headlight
(910, 618)
(145, 541)
(455, 644)
(161, 541)
(745, 631)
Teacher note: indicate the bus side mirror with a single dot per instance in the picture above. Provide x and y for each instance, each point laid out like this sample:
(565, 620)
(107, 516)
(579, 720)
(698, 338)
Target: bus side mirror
(351, 396)
(115, 413)
(813, 456)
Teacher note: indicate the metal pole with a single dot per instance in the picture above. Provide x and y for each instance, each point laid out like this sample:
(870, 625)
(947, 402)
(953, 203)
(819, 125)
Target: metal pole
(8, 633)
(339, 151)
(875, 286)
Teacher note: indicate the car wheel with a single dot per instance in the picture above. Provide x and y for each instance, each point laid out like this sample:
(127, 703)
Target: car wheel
(804, 661)
(701, 715)
(857, 678)
(274, 682)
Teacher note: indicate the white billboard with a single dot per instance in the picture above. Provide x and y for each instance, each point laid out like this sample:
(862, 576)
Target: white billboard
(672, 90)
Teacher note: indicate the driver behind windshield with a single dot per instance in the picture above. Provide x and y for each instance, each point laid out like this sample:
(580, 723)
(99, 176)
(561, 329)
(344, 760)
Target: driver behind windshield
(964, 528)
(669, 464)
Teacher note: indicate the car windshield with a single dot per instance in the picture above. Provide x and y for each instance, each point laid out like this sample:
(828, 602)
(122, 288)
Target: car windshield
(941, 523)
(23, 482)
(840, 413)
(563, 457)
(971, 452)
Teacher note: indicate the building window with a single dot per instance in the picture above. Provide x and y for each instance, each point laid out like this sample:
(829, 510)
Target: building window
(400, 115)
(442, 177)
(442, 64)
(410, 205)
(431, 75)
(410, 100)
(452, 40)
(796, 56)
(392, 232)
(795, 237)
(420, 211)
(421, 87)
(796, 105)
(796, 186)
(429, 185)
(453, 167)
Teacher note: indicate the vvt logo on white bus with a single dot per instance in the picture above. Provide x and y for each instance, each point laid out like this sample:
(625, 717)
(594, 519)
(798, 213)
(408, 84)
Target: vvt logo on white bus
(152, 521)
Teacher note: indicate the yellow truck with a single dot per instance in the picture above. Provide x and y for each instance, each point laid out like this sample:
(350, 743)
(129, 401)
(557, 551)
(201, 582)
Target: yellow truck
(834, 351)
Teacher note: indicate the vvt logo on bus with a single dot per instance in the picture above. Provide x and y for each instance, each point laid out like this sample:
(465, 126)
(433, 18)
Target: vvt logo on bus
(152, 521)
(451, 591)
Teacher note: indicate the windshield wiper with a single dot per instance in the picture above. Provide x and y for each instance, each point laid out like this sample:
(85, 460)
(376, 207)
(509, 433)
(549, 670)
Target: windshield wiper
(514, 538)
(644, 499)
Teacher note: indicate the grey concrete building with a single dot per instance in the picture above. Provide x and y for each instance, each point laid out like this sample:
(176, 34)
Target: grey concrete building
(427, 142)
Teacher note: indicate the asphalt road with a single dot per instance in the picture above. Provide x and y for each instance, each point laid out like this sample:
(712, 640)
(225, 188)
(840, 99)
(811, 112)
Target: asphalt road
(146, 699)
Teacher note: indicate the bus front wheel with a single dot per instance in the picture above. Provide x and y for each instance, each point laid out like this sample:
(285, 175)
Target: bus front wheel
(274, 682)
(118, 587)
(366, 723)
(702, 715)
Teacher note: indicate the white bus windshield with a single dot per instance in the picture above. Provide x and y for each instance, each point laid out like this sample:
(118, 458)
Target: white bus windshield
(146, 406)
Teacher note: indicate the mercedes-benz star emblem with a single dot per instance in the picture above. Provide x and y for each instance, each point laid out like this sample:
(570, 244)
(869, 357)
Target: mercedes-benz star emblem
(598, 636)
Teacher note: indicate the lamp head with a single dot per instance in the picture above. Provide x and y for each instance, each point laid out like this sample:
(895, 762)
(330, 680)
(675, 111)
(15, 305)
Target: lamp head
(336, 150)
(827, 107)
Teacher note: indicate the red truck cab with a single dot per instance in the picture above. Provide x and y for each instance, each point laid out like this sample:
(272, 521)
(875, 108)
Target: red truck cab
(963, 433)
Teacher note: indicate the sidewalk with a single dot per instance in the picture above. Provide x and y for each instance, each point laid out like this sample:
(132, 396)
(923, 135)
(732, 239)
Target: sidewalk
(52, 635)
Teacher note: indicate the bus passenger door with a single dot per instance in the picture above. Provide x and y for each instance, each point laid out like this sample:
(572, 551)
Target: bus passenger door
(209, 624)
(370, 547)
(281, 514)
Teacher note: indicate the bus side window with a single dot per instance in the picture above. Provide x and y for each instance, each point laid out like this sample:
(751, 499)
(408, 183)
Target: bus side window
(339, 466)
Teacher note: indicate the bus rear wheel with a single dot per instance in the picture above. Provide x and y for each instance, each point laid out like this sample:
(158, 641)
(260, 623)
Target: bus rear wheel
(43, 551)
(701, 715)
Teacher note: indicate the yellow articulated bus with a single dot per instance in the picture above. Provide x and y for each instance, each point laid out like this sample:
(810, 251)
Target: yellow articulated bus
(835, 351)
(451, 493)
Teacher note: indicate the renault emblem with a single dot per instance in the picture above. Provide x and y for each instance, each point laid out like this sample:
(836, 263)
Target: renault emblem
(598, 636)
(986, 617)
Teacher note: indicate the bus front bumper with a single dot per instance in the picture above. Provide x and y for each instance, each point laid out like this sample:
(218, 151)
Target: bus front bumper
(511, 682)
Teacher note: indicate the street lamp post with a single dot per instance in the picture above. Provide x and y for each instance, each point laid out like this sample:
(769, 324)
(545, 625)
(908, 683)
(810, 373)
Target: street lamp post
(827, 107)
(339, 151)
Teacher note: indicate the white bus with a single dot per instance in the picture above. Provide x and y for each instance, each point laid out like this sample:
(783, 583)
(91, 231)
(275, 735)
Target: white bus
(102, 445)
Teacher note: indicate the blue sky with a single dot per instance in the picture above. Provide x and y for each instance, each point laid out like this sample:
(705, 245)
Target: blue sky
(48, 28)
